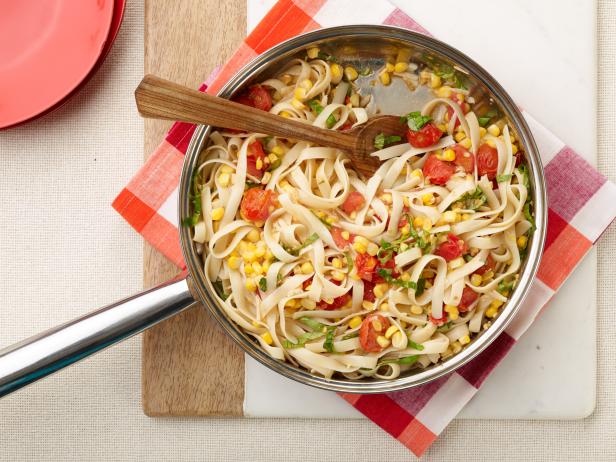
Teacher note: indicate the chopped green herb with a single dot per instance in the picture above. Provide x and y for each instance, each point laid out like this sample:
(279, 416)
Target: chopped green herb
(524, 171)
(328, 344)
(219, 289)
(503, 178)
(278, 278)
(415, 346)
(529, 216)
(405, 360)
(326, 57)
(349, 260)
(444, 327)
(467, 257)
(311, 239)
(274, 165)
(348, 336)
(483, 121)
(504, 287)
(474, 199)
(365, 71)
(195, 199)
(314, 325)
(250, 184)
(386, 274)
(380, 141)
(331, 121)
(302, 339)
(415, 120)
(315, 106)
(263, 284)
(322, 220)
(421, 286)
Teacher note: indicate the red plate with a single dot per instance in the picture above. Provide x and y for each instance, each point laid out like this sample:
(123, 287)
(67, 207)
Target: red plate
(47, 48)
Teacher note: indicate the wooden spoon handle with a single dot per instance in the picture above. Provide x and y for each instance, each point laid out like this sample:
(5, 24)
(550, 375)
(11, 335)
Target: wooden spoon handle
(161, 99)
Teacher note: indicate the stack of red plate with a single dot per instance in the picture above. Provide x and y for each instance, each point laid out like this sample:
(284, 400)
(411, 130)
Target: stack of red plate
(49, 49)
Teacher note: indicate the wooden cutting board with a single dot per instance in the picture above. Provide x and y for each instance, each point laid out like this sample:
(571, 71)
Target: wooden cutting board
(189, 368)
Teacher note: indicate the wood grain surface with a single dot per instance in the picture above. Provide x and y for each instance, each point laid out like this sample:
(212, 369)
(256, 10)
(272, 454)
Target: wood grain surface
(189, 367)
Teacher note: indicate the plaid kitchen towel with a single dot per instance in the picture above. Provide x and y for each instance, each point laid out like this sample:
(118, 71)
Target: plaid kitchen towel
(582, 203)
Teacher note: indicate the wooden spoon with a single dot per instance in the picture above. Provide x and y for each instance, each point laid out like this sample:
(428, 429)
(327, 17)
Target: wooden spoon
(161, 99)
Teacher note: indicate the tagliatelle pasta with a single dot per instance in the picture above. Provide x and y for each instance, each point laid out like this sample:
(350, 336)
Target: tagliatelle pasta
(363, 277)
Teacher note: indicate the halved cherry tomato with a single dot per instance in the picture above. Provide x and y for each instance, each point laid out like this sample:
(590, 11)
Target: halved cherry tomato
(438, 321)
(366, 266)
(388, 265)
(427, 136)
(452, 248)
(519, 157)
(468, 298)
(369, 291)
(354, 202)
(457, 97)
(338, 303)
(489, 265)
(438, 171)
(339, 239)
(256, 96)
(372, 327)
(255, 152)
(463, 158)
(346, 125)
(487, 161)
(256, 204)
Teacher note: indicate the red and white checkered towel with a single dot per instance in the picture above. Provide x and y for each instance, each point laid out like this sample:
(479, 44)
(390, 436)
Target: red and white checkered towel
(582, 203)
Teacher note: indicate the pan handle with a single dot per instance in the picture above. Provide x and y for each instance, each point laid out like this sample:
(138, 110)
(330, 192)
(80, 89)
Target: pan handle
(45, 353)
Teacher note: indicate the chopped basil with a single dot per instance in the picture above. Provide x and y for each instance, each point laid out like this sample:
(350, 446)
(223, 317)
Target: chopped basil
(274, 165)
(474, 199)
(504, 287)
(386, 274)
(380, 141)
(444, 327)
(328, 344)
(349, 260)
(529, 215)
(322, 220)
(311, 239)
(326, 57)
(302, 339)
(219, 289)
(314, 325)
(503, 178)
(524, 171)
(415, 120)
(315, 106)
(365, 71)
(348, 336)
(263, 284)
(483, 121)
(195, 198)
(250, 184)
(331, 121)
(415, 346)
(405, 360)
(421, 286)
(467, 257)
(278, 278)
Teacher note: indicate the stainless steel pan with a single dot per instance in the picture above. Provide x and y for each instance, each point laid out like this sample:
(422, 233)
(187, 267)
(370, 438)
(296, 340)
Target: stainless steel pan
(50, 351)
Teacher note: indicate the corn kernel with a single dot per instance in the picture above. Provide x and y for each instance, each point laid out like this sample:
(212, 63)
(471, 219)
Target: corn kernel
(405, 276)
(350, 73)
(218, 213)
(418, 222)
(459, 136)
(444, 92)
(450, 216)
(384, 307)
(299, 94)
(355, 322)
(476, 279)
(382, 341)
(465, 340)
(272, 157)
(435, 81)
(466, 143)
(417, 172)
(385, 78)
(496, 303)
(401, 67)
(359, 248)
(286, 79)
(452, 311)
(253, 235)
(226, 169)
(308, 303)
(249, 256)
(482, 132)
(265, 266)
(522, 242)
(466, 216)
(291, 303)
(449, 155)
(337, 263)
(345, 235)
(366, 305)
(391, 331)
(456, 347)
(380, 289)
(250, 285)
(491, 312)
(336, 70)
(491, 143)
(427, 225)
(255, 323)
(338, 275)
(427, 199)
(306, 84)
(406, 229)
(376, 324)
(361, 240)
(313, 52)
(267, 176)
(494, 130)
(248, 268)
(416, 310)
(487, 275)
(372, 249)
(514, 149)
(456, 263)
(307, 268)
(354, 99)
(398, 340)
(297, 104)
(386, 198)
(404, 247)
(267, 338)
(285, 114)
(389, 67)
(233, 262)
(224, 179)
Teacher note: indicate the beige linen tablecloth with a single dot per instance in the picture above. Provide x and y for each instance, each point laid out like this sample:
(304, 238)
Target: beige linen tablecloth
(64, 251)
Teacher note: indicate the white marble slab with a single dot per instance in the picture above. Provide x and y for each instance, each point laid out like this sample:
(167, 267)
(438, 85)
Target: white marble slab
(546, 61)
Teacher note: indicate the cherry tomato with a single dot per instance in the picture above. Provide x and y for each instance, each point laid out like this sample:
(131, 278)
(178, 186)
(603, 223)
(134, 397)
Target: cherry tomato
(256, 96)
(452, 248)
(438, 321)
(256, 204)
(346, 125)
(255, 152)
(487, 161)
(427, 136)
(372, 327)
(338, 303)
(339, 239)
(463, 158)
(388, 265)
(457, 97)
(354, 202)
(438, 171)
(519, 157)
(489, 265)
(468, 298)
(369, 291)
(366, 266)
